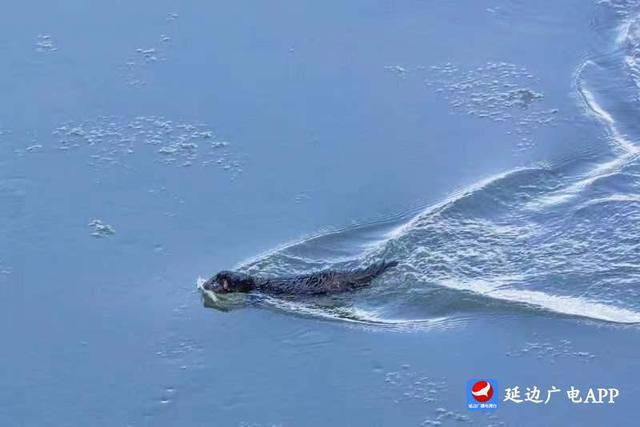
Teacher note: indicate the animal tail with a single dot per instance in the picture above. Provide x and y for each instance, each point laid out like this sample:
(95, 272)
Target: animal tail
(379, 268)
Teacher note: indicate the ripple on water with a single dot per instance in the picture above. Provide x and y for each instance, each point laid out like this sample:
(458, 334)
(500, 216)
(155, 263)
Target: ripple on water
(487, 248)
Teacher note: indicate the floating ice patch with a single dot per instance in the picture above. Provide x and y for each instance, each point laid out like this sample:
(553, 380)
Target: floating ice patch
(112, 141)
(101, 229)
(551, 351)
(496, 91)
(32, 148)
(404, 385)
(148, 54)
(138, 66)
(44, 43)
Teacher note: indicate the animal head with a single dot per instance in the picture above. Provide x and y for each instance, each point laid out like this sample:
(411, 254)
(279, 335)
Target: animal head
(229, 281)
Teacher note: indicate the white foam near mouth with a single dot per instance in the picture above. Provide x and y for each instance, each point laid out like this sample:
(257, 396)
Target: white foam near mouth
(222, 301)
(209, 294)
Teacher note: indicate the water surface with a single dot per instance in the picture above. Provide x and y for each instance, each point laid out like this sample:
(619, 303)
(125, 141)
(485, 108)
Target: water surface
(491, 147)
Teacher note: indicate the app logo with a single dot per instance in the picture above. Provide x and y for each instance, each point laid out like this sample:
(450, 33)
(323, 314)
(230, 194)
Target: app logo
(482, 394)
(482, 391)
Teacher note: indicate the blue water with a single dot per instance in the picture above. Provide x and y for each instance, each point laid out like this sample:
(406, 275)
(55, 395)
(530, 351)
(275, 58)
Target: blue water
(490, 147)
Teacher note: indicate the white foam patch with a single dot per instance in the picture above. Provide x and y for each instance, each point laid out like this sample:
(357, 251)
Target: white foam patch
(568, 305)
(565, 194)
(207, 293)
(602, 115)
(615, 198)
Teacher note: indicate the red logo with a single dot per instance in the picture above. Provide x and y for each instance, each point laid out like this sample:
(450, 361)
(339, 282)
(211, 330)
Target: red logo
(482, 391)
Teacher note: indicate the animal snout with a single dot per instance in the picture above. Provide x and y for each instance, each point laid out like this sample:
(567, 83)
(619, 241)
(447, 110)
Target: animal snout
(209, 285)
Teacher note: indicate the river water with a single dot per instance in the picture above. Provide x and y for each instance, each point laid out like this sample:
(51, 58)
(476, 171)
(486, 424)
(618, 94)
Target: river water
(491, 147)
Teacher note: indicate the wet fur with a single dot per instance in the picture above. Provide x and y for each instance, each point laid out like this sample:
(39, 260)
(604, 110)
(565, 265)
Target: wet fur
(323, 282)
